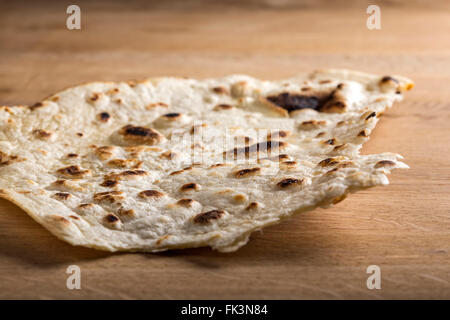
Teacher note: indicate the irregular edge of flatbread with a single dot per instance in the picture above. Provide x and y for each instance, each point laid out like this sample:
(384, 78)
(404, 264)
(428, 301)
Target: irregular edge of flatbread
(406, 84)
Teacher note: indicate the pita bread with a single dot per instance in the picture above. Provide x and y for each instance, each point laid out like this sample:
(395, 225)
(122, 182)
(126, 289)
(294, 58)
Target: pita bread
(175, 163)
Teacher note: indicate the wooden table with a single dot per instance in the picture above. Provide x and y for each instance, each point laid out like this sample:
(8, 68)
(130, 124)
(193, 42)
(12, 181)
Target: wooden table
(404, 228)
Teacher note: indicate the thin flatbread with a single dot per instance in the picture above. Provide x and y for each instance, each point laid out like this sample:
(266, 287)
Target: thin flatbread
(176, 163)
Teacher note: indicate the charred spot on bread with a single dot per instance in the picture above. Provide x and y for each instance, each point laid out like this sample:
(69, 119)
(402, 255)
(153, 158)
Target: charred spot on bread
(340, 147)
(283, 157)
(190, 186)
(185, 202)
(105, 152)
(336, 106)
(252, 206)
(325, 101)
(124, 175)
(257, 147)
(85, 205)
(103, 116)
(217, 165)
(320, 134)
(277, 134)
(156, 104)
(313, 124)
(172, 115)
(126, 212)
(363, 133)
(371, 115)
(111, 218)
(35, 106)
(141, 135)
(291, 102)
(208, 216)
(109, 183)
(220, 90)
(62, 195)
(150, 194)
(124, 163)
(289, 182)
(95, 96)
(386, 79)
(108, 196)
(330, 142)
(42, 134)
(328, 162)
(223, 106)
(137, 131)
(288, 164)
(174, 173)
(73, 171)
(7, 159)
(247, 172)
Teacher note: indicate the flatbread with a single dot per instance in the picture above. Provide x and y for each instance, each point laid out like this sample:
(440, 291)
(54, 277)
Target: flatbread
(175, 163)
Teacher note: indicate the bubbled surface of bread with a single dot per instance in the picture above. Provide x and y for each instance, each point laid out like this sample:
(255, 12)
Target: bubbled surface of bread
(175, 163)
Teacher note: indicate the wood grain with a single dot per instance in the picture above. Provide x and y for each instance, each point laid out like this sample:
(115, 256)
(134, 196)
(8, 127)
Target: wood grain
(404, 227)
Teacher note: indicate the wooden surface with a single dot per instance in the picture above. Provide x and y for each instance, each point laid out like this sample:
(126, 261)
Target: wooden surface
(404, 228)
